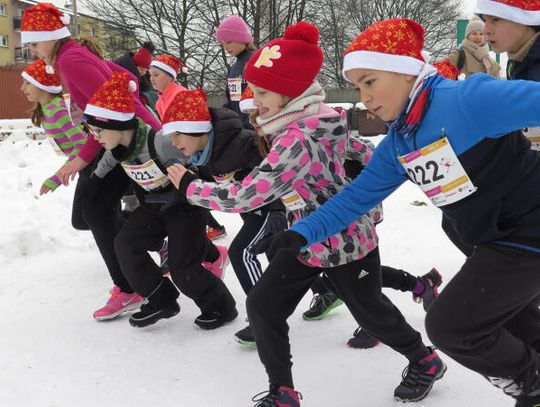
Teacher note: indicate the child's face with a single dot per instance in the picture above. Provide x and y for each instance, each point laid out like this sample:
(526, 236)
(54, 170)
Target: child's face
(32, 92)
(189, 145)
(42, 49)
(505, 35)
(109, 139)
(477, 37)
(233, 48)
(267, 102)
(160, 80)
(383, 93)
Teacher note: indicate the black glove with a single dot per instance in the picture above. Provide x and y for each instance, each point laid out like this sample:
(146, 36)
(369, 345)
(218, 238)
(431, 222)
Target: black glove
(275, 223)
(288, 241)
(166, 199)
(185, 181)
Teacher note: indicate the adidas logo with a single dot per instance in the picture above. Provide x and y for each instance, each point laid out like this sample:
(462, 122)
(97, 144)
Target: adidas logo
(362, 274)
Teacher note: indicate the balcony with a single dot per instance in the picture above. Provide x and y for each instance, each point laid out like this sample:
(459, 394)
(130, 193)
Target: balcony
(23, 56)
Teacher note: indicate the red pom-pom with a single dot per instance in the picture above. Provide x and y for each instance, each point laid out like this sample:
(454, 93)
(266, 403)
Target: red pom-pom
(303, 31)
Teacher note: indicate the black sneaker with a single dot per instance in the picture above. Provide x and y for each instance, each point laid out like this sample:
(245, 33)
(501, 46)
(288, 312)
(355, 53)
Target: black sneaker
(278, 396)
(215, 319)
(528, 401)
(149, 315)
(418, 378)
(321, 305)
(362, 340)
(245, 336)
(161, 303)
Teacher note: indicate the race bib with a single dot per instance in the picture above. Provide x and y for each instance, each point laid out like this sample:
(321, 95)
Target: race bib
(147, 175)
(235, 89)
(438, 172)
(293, 201)
(56, 147)
(533, 135)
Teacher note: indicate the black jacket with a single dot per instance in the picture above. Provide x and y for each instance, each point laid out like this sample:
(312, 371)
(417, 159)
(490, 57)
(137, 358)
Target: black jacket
(237, 71)
(126, 61)
(529, 68)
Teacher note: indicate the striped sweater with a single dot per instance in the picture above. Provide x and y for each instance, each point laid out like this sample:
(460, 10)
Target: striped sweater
(58, 125)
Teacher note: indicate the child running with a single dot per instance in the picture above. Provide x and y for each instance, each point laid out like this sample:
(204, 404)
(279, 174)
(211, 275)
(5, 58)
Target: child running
(303, 167)
(489, 193)
(51, 112)
(144, 154)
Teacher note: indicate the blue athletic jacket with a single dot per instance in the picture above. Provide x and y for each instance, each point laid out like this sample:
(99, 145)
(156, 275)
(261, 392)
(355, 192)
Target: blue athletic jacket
(481, 117)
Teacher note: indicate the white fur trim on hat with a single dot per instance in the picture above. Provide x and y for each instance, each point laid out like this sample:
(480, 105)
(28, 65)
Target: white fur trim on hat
(97, 111)
(50, 89)
(247, 104)
(40, 36)
(164, 67)
(382, 62)
(187, 127)
(515, 14)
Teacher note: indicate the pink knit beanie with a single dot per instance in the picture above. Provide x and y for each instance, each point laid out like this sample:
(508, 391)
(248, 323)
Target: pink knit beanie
(233, 28)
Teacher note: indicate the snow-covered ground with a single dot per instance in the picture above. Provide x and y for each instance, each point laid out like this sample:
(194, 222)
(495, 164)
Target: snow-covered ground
(54, 354)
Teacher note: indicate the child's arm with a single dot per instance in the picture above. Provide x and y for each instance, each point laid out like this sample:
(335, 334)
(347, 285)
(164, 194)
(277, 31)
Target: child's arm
(379, 179)
(358, 149)
(495, 108)
(277, 175)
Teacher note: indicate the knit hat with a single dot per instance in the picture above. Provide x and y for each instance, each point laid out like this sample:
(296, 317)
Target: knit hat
(234, 28)
(37, 75)
(169, 64)
(246, 101)
(393, 45)
(524, 12)
(188, 113)
(44, 22)
(112, 106)
(475, 24)
(143, 57)
(287, 65)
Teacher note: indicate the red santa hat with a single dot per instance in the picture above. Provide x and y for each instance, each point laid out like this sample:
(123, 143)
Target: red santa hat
(188, 113)
(169, 64)
(394, 45)
(44, 22)
(246, 100)
(524, 12)
(287, 65)
(113, 105)
(37, 75)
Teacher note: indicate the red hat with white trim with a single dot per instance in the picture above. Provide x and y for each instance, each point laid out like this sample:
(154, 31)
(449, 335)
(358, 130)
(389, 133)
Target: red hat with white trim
(113, 106)
(44, 22)
(188, 113)
(37, 75)
(169, 64)
(246, 100)
(524, 12)
(393, 45)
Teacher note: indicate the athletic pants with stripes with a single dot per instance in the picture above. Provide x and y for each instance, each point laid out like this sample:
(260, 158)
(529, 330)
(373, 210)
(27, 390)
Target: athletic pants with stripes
(245, 264)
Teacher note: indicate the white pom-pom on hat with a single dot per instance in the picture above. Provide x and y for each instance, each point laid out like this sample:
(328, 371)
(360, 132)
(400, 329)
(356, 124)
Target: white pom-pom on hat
(426, 55)
(132, 86)
(65, 19)
(185, 70)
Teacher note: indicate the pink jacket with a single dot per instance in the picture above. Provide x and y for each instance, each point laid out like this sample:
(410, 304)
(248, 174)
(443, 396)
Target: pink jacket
(167, 97)
(83, 73)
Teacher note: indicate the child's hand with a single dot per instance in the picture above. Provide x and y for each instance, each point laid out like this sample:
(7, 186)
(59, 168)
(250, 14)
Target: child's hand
(44, 189)
(70, 169)
(176, 173)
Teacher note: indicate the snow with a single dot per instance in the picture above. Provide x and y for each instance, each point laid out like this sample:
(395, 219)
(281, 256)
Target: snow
(55, 354)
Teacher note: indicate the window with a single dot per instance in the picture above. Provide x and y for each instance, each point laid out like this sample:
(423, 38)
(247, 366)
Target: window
(93, 31)
(3, 10)
(3, 40)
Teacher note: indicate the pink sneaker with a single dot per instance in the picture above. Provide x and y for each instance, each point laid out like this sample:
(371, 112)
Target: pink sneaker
(217, 268)
(118, 303)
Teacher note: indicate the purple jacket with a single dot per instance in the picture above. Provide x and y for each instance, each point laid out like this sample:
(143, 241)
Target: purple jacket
(83, 73)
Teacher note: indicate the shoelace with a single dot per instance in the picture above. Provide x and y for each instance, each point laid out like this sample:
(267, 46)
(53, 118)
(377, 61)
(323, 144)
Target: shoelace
(264, 399)
(412, 376)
